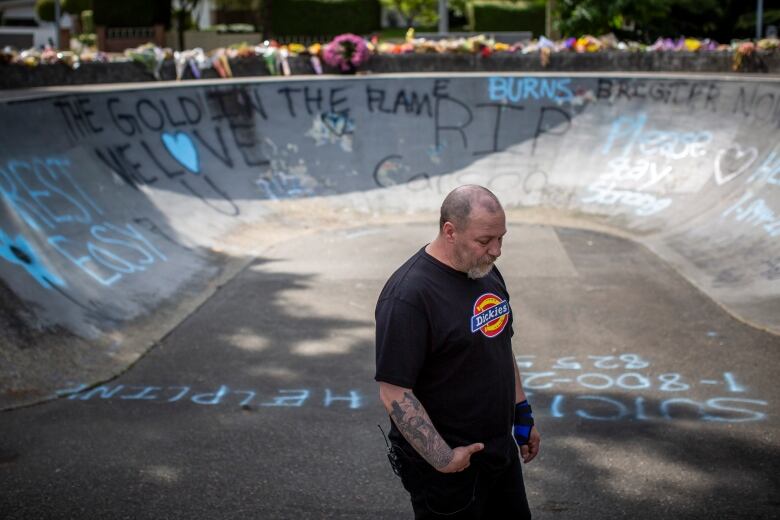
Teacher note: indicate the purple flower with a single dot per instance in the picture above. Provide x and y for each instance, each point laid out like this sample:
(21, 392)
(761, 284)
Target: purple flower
(346, 51)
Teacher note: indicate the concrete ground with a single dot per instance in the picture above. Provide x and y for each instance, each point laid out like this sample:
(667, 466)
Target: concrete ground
(652, 401)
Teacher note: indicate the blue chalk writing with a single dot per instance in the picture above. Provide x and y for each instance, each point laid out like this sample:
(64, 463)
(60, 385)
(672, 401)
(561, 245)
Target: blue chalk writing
(755, 212)
(115, 252)
(566, 363)
(296, 398)
(67, 392)
(353, 399)
(46, 197)
(505, 89)
(667, 382)
(633, 381)
(222, 395)
(211, 398)
(103, 391)
(720, 403)
(672, 383)
(620, 373)
(768, 171)
(81, 261)
(249, 396)
(530, 377)
(601, 408)
(595, 381)
(40, 192)
(628, 134)
(144, 393)
(183, 391)
(622, 411)
(732, 382)
(555, 407)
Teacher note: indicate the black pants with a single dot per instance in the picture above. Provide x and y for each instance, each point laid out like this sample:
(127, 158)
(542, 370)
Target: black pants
(473, 494)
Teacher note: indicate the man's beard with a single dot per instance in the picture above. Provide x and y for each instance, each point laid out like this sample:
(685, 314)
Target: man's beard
(482, 268)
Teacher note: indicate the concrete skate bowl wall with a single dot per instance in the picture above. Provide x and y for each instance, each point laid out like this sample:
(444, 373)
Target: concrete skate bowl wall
(122, 210)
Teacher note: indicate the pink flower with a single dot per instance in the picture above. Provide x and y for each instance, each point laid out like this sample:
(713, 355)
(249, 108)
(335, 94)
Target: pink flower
(346, 51)
(746, 48)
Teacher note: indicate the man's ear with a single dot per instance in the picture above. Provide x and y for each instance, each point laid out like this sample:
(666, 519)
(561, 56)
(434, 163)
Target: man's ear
(448, 231)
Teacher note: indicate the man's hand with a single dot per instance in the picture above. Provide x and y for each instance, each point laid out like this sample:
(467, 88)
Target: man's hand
(461, 458)
(530, 450)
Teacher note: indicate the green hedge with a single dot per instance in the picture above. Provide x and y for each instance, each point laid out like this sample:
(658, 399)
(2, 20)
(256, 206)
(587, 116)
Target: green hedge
(132, 13)
(76, 6)
(324, 17)
(494, 16)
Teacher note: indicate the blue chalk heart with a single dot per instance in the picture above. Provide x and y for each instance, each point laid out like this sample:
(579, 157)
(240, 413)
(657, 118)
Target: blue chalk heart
(181, 147)
(337, 123)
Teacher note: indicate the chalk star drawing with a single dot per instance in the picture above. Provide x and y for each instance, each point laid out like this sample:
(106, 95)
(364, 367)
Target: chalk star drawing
(181, 148)
(19, 252)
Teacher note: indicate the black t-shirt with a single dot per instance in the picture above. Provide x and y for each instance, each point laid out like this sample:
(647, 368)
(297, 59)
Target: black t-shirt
(448, 338)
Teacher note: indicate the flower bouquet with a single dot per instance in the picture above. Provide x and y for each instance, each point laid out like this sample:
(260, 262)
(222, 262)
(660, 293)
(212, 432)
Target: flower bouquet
(346, 52)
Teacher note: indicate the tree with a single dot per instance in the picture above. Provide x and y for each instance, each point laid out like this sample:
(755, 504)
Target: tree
(424, 11)
(76, 6)
(183, 16)
(646, 20)
(640, 19)
(45, 10)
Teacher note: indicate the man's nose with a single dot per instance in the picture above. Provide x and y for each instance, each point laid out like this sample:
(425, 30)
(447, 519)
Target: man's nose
(495, 249)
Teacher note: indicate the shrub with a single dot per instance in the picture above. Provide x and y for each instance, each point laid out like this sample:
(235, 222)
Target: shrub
(324, 17)
(494, 16)
(45, 10)
(132, 13)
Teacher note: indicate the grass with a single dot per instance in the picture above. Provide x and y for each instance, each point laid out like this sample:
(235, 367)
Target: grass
(398, 34)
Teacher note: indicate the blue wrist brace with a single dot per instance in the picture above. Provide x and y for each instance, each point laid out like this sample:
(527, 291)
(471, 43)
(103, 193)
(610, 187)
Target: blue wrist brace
(524, 421)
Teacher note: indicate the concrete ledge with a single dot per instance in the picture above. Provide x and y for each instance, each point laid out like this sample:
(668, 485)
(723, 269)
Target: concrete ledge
(19, 76)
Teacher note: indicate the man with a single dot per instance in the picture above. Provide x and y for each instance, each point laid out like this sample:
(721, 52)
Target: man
(447, 375)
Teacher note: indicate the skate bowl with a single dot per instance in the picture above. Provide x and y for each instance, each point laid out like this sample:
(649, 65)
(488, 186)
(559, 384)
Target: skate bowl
(124, 207)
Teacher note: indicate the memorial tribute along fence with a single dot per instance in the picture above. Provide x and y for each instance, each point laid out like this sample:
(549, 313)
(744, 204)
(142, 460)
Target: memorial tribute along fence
(113, 202)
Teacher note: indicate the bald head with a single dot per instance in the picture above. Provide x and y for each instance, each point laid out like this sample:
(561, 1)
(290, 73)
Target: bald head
(461, 202)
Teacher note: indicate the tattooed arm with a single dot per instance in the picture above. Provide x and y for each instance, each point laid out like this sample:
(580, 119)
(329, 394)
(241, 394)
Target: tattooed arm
(413, 422)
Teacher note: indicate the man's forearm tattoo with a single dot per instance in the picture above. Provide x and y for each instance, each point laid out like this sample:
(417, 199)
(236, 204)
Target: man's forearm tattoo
(415, 425)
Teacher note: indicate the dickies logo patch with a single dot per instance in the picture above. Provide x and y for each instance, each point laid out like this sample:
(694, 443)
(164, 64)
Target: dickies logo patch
(491, 314)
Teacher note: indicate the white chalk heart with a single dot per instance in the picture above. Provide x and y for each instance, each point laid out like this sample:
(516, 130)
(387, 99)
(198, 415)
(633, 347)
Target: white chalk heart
(744, 157)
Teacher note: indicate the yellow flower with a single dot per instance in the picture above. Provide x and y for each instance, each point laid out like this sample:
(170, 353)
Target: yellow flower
(501, 47)
(315, 49)
(692, 44)
(296, 48)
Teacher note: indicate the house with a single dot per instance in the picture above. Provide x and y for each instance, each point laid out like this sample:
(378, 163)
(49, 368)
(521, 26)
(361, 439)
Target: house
(21, 28)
